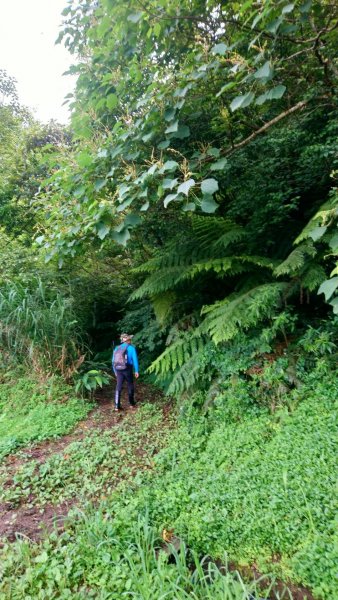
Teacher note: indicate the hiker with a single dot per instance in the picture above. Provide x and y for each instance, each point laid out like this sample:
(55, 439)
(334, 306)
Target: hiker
(125, 362)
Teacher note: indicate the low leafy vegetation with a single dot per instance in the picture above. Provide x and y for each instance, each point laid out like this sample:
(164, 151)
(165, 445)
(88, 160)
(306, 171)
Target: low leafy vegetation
(234, 481)
(33, 410)
(91, 467)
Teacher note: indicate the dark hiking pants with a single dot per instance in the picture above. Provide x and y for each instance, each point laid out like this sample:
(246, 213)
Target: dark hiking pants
(125, 374)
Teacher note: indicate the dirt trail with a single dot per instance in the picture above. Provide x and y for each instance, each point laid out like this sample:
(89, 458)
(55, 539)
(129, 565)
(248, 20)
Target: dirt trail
(30, 520)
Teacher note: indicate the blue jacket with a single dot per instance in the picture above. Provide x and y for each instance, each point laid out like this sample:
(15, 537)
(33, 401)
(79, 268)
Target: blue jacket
(131, 356)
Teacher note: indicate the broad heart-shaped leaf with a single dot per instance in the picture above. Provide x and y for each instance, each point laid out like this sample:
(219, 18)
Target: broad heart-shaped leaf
(208, 204)
(219, 49)
(131, 220)
(328, 287)
(334, 303)
(163, 145)
(121, 237)
(99, 184)
(287, 9)
(169, 114)
(169, 199)
(265, 72)
(185, 186)
(213, 152)
(219, 165)
(209, 186)
(169, 184)
(135, 17)
(182, 132)
(123, 189)
(333, 243)
(102, 229)
(112, 101)
(242, 101)
(124, 204)
(305, 7)
(170, 165)
(172, 128)
(274, 94)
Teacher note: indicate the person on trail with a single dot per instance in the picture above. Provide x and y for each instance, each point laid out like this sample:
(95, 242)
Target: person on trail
(125, 363)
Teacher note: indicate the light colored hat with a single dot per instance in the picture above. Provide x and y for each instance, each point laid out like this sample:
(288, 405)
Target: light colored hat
(125, 336)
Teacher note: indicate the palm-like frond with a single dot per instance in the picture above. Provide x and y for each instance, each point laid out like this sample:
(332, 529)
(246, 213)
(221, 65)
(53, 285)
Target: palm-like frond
(296, 260)
(225, 319)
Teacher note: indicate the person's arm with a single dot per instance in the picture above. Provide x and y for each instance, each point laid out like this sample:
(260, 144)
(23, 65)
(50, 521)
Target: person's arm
(112, 362)
(134, 360)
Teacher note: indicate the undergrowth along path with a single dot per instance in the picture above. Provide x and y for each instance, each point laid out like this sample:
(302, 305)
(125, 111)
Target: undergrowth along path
(41, 483)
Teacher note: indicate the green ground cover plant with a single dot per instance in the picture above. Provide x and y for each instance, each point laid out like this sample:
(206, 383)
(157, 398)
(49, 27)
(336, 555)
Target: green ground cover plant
(91, 467)
(235, 484)
(98, 564)
(32, 411)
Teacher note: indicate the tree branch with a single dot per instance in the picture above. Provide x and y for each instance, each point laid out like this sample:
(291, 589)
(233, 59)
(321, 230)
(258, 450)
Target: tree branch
(267, 125)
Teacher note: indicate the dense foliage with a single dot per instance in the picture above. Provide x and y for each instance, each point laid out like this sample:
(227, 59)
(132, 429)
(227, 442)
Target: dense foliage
(192, 202)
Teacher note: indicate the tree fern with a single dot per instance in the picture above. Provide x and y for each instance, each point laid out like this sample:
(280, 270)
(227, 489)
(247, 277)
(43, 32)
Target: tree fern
(296, 259)
(225, 319)
(169, 278)
(163, 305)
(186, 377)
(179, 352)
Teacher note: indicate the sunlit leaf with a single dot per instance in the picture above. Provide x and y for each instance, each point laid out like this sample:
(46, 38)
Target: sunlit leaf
(328, 287)
(208, 204)
(209, 186)
(219, 49)
(242, 101)
(186, 186)
(219, 165)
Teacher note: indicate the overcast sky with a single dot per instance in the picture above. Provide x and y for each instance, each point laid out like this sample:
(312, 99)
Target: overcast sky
(28, 30)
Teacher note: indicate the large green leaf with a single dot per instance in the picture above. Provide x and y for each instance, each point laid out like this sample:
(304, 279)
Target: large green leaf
(208, 204)
(170, 165)
(112, 101)
(102, 230)
(219, 49)
(242, 101)
(265, 72)
(209, 186)
(274, 94)
(219, 165)
(186, 186)
(328, 287)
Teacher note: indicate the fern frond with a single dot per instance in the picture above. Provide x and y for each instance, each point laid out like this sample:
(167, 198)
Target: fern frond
(313, 277)
(236, 234)
(296, 260)
(178, 353)
(158, 282)
(225, 319)
(326, 213)
(162, 305)
(185, 378)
